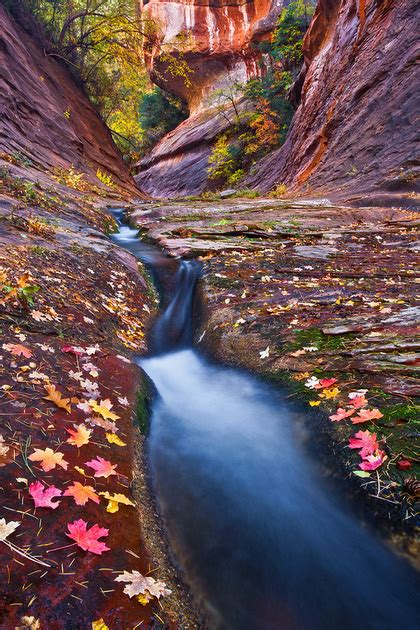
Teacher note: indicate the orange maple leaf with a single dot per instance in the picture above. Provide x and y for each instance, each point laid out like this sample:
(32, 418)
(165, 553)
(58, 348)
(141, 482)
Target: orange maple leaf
(104, 409)
(17, 350)
(48, 459)
(57, 398)
(79, 436)
(81, 493)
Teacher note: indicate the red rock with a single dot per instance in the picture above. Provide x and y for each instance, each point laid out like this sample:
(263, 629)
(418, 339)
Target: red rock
(354, 131)
(35, 92)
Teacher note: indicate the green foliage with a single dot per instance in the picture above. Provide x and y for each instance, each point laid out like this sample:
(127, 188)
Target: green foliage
(159, 113)
(292, 24)
(104, 44)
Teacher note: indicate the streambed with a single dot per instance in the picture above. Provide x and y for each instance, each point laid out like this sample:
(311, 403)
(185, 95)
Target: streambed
(261, 536)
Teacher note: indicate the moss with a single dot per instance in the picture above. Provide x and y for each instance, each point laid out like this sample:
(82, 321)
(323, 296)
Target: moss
(142, 407)
(315, 337)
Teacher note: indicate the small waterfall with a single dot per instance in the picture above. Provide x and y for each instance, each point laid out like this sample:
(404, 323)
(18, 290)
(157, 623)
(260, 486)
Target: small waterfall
(173, 328)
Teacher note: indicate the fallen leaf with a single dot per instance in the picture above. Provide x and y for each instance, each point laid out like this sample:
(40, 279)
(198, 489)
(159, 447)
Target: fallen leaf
(341, 414)
(366, 441)
(314, 403)
(404, 464)
(325, 383)
(56, 397)
(104, 409)
(365, 415)
(87, 539)
(114, 500)
(80, 436)
(17, 350)
(7, 528)
(100, 623)
(29, 623)
(114, 439)
(43, 495)
(264, 354)
(81, 493)
(138, 584)
(329, 393)
(48, 459)
(372, 462)
(102, 467)
(358, 402)
(104, 424)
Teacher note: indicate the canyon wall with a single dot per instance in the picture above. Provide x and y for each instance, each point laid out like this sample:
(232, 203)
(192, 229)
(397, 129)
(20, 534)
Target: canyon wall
(353, 134)
(45, 117)
(218, 40)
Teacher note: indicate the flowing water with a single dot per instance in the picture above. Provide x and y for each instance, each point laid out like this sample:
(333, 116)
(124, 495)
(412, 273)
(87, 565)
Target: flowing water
(260, 534)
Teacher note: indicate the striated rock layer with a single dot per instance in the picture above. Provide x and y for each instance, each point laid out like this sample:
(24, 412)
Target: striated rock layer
(218, 40)
(40, 102)
(354, 132)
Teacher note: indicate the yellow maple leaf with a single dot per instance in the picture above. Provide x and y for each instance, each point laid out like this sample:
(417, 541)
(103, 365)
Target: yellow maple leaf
(330, 393)
(114, 500)
(144, 599)
(104, 409)
(79, 436)
(99, 625)
(114, 439)
(314, 403)
(81, 471)
(56, 397)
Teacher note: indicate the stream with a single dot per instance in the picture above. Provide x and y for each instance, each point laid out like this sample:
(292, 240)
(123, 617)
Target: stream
(259, 533)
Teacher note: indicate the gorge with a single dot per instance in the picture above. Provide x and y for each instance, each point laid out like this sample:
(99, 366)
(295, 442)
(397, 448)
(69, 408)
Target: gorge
(217, 380)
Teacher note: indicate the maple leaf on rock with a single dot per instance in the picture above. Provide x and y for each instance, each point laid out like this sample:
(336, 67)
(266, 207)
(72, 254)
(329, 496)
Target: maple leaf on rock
(87, 539)
(366, 441)
(43, 495)
(7, 528)
(104, 409)
(138, 584)
(81, 493)
(48, 459)
(56, 397)
(102, 467)
(372, 462)
(325, 383)
(358, 402)
(365, 415)
(114, 500)
(79, 436)
(341, 413)
(17, 350)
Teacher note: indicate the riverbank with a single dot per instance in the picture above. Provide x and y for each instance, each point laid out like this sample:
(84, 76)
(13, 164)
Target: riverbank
(322, 298)
(75, 310)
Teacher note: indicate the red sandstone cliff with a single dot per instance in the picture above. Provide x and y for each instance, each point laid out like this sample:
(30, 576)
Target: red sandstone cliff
(218, 40)
(45, 117)
(353, 134)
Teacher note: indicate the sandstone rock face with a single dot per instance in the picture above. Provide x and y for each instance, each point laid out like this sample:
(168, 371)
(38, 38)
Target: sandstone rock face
(45, 117)
(218, 43)
(354, 133)
(217, 38)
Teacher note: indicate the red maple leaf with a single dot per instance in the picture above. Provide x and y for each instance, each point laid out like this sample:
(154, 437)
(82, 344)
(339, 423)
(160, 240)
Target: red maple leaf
(87, 539)
(102, 466)
(366, 441)
(42, 495)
